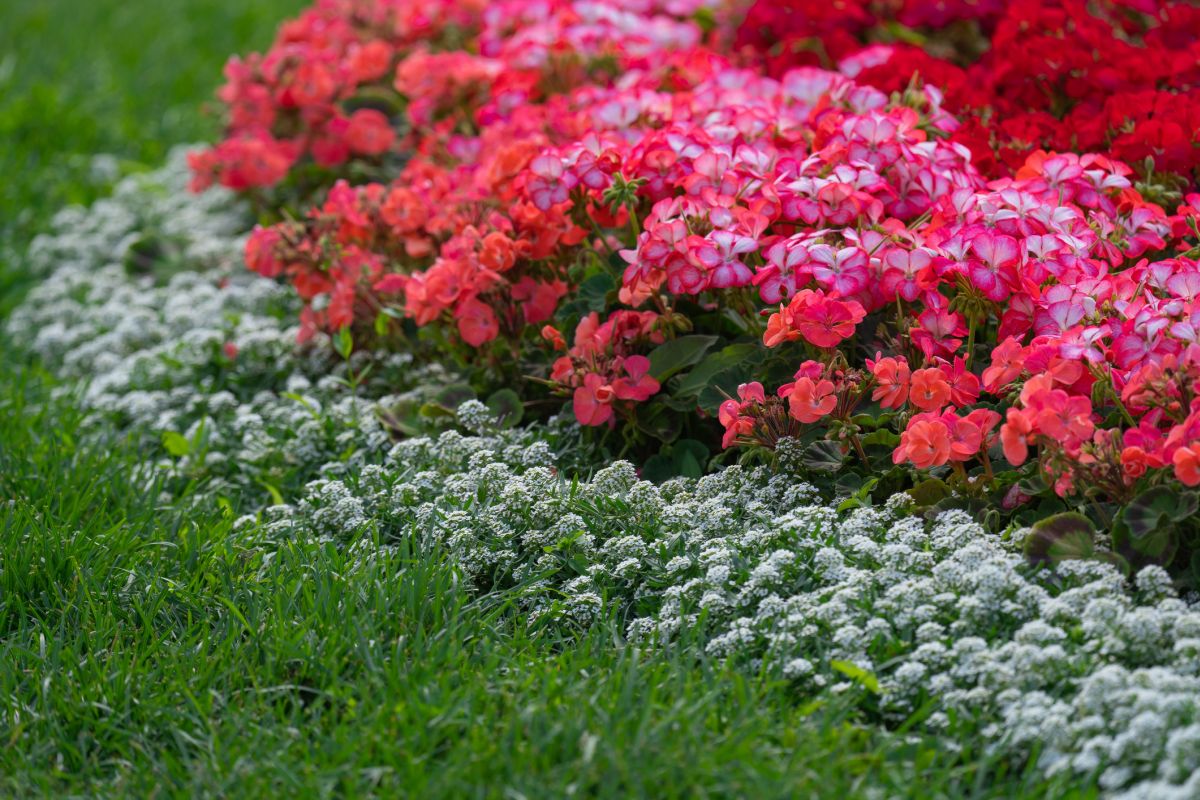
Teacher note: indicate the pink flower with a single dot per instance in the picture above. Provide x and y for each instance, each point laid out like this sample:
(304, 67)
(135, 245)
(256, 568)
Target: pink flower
(476, 322)
(593, 401)
(826, 322)
(639, 386)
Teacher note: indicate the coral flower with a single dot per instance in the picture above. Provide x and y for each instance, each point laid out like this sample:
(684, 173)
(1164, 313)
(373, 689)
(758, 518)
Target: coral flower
(810, 400)
(926, 443)
(1014, 436)
(476, 322)
(891, 381)
(1008, 359)
(929, 390)
(1187, 465)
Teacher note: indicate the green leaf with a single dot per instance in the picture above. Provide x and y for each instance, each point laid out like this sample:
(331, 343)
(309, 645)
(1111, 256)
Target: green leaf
(690, 457)
(435, 411)
(678, 354)
(343, 343)
(455, 395)
(176, 444)
(823, 456)
(1063, 536)
(660, 421)
(658, 468)
(727, 358)
(507, 406)
(1154, 508)
(857, 674)
(276, 495)
(929, 492)
(882, 438)
(593, 292)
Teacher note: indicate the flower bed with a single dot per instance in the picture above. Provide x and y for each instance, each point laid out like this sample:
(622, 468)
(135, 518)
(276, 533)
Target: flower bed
(808, 357)
(670, 220)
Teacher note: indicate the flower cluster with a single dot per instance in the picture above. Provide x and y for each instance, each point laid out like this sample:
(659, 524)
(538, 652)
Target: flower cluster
(608, 168)
(351, 80)
(1114, 76)
(602, 368)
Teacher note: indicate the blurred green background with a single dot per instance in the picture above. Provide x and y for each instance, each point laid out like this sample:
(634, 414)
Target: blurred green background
(128, 78)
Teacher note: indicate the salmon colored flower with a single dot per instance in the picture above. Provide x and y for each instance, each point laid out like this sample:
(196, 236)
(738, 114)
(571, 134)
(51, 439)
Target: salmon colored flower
(476, 322)
(891, 380)
(551, 335)
(369, 133)
(1187, 464)
(926, 443)
(1008, 361)
(929, 390)
(1014, 436)
(1136, 461)
(811, 400)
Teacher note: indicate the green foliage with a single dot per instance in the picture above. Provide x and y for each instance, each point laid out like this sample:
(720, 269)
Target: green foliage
(678, 354)
(1161, 526)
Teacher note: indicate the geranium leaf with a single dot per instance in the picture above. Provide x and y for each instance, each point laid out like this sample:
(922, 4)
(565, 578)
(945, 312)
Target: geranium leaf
(678, 354)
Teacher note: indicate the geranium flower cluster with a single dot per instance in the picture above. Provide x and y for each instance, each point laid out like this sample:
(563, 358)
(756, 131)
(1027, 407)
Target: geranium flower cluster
(357, 79)
(459, 233)
(1118, 76)
(1046, 315)
(602, 369)
(1089, 332)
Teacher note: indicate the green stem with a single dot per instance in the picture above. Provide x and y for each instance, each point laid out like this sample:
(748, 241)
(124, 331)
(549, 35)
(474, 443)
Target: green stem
(970, 343)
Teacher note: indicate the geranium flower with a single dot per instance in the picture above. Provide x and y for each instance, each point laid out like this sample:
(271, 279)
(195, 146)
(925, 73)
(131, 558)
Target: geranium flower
(929, 390)
(476, 322)
(1187, 465)
(810, 400)
(891, 378)
(826, 322)
(926, 443)
(639, 386)
(593, 401)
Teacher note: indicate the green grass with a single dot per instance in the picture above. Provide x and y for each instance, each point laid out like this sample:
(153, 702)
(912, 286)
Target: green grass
(148, 651)
(125, 78)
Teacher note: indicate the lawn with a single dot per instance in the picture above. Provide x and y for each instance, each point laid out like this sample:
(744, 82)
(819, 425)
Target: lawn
(153, 645)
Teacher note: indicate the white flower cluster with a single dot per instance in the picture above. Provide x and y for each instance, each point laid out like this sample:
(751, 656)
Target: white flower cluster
(145, 299)
(1072, 665)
